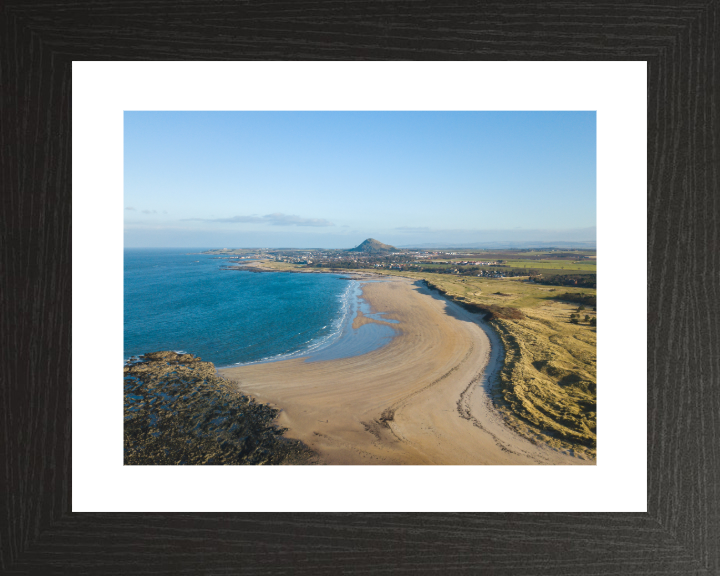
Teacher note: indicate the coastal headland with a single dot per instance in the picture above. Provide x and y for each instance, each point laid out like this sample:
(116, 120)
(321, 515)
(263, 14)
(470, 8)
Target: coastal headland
(424, 398)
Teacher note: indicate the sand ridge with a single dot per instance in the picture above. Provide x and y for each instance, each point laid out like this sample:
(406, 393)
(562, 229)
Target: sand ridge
(421, 399)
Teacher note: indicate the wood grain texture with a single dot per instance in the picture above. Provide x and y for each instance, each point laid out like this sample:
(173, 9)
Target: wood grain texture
(681, 532)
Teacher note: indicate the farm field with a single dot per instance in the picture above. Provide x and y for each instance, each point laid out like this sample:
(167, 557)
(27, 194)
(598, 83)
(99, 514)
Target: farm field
(552, 265)
(562, 265)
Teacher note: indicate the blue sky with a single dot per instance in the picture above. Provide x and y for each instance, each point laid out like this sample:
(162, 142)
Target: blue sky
(332, 179)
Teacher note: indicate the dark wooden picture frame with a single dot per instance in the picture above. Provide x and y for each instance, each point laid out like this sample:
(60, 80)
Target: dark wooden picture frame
(680, 533)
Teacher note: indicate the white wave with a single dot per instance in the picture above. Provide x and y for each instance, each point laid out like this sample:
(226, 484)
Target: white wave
(316, 344)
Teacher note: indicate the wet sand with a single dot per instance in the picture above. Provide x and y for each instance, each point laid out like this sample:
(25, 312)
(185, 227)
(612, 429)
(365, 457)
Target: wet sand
(421, 399)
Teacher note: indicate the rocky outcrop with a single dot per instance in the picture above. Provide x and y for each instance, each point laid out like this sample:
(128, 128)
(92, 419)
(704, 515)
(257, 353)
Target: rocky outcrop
(179, 411)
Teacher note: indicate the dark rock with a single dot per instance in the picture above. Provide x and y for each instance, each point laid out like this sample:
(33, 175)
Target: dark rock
(179, 411)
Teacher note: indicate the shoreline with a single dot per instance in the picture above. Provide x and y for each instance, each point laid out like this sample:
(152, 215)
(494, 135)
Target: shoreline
(422, 398)
(358, 332)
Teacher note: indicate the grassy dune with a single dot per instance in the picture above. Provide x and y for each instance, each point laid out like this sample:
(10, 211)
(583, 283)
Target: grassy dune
(280, 266)
(548, 385)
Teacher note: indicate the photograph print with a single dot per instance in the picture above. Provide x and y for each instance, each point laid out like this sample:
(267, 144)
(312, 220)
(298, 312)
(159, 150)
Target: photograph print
(360, 288)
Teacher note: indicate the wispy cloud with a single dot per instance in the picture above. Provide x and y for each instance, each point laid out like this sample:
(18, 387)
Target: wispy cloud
(421, 229)
(234, 219)
(276, 219)
(133, 209)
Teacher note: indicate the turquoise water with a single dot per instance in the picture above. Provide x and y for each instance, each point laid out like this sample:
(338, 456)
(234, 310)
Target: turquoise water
(178, 299)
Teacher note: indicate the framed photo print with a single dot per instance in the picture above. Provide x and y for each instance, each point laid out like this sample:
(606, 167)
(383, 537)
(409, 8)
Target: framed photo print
(323, 289)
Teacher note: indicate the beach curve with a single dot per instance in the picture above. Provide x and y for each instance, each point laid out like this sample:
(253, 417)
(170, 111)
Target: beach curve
(423, 398)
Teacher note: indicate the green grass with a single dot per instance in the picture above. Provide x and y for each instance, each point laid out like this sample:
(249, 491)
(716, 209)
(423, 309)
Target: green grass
(548, 268)
(563, 252)
(279, 265)
(552, 265)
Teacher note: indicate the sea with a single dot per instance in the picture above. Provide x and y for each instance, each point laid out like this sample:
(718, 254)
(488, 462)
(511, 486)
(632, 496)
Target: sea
(180, 299)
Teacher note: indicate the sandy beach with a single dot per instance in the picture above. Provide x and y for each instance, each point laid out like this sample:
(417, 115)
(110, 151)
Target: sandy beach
(421, 399)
